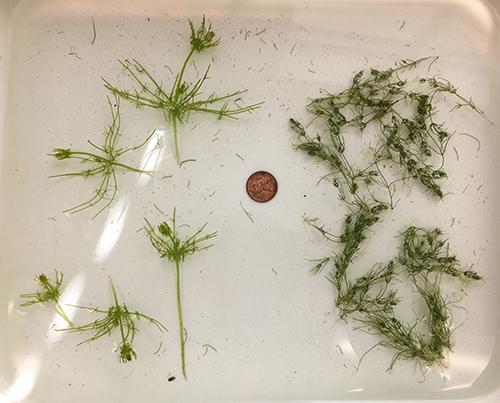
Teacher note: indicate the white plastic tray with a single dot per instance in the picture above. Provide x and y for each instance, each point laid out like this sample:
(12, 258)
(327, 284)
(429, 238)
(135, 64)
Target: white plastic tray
(273, 327)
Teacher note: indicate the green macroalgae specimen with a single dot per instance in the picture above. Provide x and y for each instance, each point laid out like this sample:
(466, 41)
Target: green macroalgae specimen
(117, 316)
(406, 151)
(103, 162)
(183, 98)
(166, 240)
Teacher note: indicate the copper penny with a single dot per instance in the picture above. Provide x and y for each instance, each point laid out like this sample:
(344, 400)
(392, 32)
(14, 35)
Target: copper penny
(262, 186)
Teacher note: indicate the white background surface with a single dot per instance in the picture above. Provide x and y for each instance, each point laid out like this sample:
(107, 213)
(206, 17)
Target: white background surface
(251, 297)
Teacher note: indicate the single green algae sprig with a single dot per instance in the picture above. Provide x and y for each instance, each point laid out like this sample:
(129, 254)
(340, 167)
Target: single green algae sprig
(166, 240)
(183, 98)
(117, 316)
(103, 162)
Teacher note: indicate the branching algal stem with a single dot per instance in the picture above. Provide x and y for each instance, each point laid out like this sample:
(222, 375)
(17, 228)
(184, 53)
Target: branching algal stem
(105, 164)
(166, 241)
(426, 260)
(427, 348)
(119, 316)
(51, 293)
(178, 104)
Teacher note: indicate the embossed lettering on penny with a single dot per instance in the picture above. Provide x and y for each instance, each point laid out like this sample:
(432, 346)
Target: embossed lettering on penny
(262, 186)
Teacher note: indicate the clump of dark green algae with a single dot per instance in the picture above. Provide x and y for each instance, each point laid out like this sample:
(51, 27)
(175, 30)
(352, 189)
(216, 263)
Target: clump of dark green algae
(402, 114)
